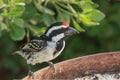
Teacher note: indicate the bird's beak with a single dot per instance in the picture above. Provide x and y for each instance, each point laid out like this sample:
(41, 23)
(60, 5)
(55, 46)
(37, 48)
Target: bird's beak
(71, 31)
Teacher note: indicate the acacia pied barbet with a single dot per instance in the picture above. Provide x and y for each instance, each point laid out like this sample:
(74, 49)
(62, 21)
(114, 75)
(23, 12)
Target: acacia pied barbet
(48, 46)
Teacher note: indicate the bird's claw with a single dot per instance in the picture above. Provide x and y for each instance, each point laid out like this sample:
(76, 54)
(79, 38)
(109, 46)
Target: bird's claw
(30, 74)
(52, 66)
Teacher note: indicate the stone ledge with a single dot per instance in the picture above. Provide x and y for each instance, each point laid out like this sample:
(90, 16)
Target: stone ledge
(81, 67)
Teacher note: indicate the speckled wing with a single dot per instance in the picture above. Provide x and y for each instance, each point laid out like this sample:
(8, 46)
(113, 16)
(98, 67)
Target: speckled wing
(34, 46)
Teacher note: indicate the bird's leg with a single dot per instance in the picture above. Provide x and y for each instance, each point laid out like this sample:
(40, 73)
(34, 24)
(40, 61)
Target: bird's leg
(51, 66)
(30, 73)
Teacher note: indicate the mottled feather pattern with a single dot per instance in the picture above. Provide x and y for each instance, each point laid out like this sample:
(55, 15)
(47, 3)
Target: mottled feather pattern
(34, 45)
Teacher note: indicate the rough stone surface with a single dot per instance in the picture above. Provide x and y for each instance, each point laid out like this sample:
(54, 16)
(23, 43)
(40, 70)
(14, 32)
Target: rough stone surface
(106, 76)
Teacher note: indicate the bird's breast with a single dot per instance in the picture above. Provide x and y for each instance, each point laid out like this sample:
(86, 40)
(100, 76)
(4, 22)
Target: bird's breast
(46, 54)
(50, 52)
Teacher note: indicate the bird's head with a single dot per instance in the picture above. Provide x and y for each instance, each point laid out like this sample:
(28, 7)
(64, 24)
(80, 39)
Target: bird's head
(59, 30)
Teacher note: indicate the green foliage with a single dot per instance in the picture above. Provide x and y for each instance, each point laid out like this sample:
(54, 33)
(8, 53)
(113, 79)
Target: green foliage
(32, 15)
(10, 11)
(16, 32)
(77, 26)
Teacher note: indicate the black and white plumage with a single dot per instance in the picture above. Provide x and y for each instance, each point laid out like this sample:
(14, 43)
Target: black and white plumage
(49, 45)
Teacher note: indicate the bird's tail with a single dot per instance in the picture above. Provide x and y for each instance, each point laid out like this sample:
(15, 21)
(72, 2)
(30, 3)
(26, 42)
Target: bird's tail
(17, 52)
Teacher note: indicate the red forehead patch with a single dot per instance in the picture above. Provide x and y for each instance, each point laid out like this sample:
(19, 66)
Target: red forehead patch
(66, 25)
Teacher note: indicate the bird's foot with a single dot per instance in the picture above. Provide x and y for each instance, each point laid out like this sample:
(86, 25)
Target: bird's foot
(51, 66)
(30, 74)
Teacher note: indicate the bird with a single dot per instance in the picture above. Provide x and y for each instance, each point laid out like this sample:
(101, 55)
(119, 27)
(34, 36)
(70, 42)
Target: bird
(47, 46)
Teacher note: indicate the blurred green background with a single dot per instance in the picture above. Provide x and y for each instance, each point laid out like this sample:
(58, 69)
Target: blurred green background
(21, 20)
